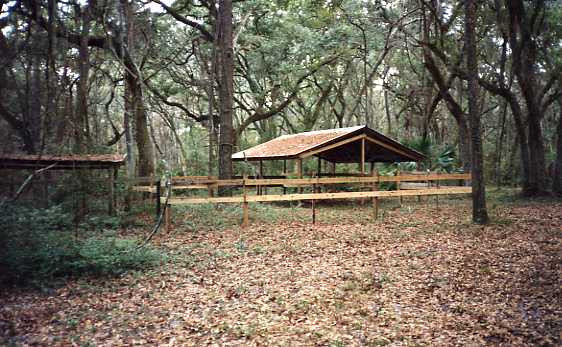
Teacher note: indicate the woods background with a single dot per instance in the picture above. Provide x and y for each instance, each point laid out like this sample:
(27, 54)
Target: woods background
(187, 83)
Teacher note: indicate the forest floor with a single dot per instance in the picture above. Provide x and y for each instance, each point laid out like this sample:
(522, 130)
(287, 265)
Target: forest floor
(416, 277)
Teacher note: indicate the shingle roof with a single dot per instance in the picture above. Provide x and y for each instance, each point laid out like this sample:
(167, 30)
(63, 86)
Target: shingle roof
(379, 147)
(292, 145)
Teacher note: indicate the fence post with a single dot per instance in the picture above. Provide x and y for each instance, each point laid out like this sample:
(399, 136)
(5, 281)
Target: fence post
(437, 196)
(314, 205)
(111, 186)
(285, 174)
(168, 216)
(245, 221)
(158, 195)
(375, 188)
(398, 185)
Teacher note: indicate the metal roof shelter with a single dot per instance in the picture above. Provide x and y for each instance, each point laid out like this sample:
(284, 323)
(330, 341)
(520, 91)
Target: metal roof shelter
(63, 162)
(357, 144)
(73, 162)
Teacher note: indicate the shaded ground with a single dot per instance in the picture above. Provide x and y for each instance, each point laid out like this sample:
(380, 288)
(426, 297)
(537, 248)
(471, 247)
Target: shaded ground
(419, 277)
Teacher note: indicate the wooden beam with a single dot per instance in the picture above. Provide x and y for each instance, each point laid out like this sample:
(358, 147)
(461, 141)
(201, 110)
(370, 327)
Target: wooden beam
(389, 147)
(327, 180)
(363, 156)
(334, 145)
(143, 189)
(320, 196)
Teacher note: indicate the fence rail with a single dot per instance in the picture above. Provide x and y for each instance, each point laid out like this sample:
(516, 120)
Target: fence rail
(372, 182)
(318, 196)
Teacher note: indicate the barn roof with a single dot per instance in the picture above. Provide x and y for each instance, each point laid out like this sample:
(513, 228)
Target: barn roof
(63, 162)
(342, 145)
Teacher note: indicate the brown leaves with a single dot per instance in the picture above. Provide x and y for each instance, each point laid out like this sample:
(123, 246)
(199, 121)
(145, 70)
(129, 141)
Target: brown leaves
(420, 276)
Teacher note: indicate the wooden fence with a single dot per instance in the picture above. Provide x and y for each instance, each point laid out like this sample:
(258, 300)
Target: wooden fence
(430, 186)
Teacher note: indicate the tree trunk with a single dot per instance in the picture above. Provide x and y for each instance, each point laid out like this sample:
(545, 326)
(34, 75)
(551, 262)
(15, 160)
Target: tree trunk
(524, 53)
(499, 145)
(479, 213)
(537, 176)
(136, 108)
(226, 130)
(145, 151)
(464, 144)
(557, 177)
(81, 129)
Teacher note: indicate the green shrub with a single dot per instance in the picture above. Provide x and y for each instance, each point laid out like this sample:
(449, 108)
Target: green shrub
(38, 246)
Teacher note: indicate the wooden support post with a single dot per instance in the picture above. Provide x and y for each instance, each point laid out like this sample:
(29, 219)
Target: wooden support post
(375, 173)
(260, 188)
(437, 196)
(158, 195)
(363, 157)
(318, 167)
(245, 220)
(299, 172)
(168, 217)
(284, 174)
(111, 187)
(314, 210)
(398, 186)
(114, 197)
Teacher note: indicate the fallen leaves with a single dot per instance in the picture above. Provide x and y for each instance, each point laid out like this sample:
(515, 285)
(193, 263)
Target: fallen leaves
(419, 277)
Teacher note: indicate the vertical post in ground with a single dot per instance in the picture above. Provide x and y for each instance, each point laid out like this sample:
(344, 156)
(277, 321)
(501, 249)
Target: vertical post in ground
(260, 188)
(313, 212)
(285, 175)
(363, 157)
(168, 217)
(299, 173)
(313, 205)
(245, 220)
(398, 186)
(362, 167)
(375, 173)
(111, 187)
(158, 195)
(437, 196)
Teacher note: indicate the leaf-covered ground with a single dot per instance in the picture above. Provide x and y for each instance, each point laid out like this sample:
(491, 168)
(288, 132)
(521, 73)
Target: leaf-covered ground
(418, 277)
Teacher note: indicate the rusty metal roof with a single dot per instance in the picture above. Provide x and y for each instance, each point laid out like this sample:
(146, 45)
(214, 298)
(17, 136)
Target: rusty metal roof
(71, 161)
(379, 148)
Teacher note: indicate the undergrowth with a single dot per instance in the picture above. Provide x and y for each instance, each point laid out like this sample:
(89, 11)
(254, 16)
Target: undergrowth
(39, 246)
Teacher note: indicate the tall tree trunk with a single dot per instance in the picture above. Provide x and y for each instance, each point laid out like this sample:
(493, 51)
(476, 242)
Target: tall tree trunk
(142, 136)
(465, 147)
(499, 145)
(81, 128)
(50, 72)
(479, 212)
(557, 177)
(226, 130)
(133, 83)
(524, 53)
